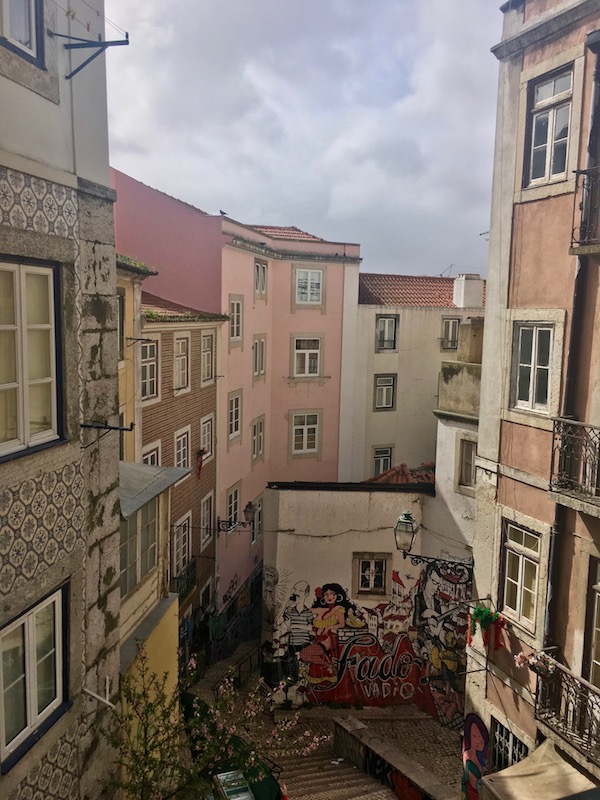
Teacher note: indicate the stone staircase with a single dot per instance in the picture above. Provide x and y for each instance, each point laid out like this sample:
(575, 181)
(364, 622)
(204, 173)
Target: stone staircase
(322, 776)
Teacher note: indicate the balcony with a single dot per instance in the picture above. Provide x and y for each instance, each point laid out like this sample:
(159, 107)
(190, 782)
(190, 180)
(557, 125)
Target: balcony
(569, 707)
(575, 465)
(185, 581)
(585, 237)
(458, 390)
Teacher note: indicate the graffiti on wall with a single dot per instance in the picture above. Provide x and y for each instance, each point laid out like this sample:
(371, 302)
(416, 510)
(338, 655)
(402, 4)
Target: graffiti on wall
(383, 771)
(476, 740)
(409, 648)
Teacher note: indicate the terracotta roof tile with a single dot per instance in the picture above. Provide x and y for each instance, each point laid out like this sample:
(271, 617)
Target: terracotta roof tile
(286, 232)
(405, 290)
(157, 308)
(403, 474)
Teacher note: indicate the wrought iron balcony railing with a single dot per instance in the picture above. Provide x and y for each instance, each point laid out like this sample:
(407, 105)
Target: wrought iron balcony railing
(570, 707)
(575, 459)
(186, 580)
(586, 211)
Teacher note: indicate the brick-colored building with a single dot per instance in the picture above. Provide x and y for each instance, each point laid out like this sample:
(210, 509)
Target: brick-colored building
(178, 364)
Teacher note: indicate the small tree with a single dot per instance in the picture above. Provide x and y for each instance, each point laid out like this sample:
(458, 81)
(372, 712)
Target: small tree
(162, 755)
(149, 738)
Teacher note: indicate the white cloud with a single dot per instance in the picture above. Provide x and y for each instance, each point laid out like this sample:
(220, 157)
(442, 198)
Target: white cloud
(369, 122)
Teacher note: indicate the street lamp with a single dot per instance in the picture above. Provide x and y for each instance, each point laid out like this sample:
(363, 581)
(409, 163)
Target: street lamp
(229, 524)
(405, 532)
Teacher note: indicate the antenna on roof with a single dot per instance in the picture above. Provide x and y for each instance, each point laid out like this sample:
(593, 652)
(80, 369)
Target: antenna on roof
(448, 270)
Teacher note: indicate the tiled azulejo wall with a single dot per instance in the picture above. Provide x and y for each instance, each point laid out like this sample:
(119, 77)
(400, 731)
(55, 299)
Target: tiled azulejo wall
(41, 521)
(56, 776)
(34, 204)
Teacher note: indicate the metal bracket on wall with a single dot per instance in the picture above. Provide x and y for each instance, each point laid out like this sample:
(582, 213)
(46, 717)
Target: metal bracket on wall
(76, 43)
(106, 428)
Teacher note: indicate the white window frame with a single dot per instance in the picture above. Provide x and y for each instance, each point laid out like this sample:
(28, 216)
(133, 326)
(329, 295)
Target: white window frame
(550, 107)
(150, 363)
(259, 356)
(450, 329)
(236, 319)
(260, 278)
(466, 469)
(207, 359)
(35, 10)
(306, 356)
(133, 547)
(313, 278)
(535, 369)
(381, 456)
(182, 456)
(258, 438)
(182, 543)
(151, 454)
(234, 415)
(256, 527)
(232, 505)
(521, 554)
(207, 437)
(35, 719)
(308, 429)
(21, 387)
(358, 572)
(207, 519)
(181, 363)
(384, 392)
(386, 333)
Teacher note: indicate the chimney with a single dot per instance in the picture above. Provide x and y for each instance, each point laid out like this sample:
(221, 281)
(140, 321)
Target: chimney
(468, 291)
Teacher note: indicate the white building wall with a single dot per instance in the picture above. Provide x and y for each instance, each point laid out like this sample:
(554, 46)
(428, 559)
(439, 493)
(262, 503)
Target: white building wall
(410, 428)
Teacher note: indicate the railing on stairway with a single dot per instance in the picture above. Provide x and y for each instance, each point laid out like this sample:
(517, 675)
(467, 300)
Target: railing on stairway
(240, 670)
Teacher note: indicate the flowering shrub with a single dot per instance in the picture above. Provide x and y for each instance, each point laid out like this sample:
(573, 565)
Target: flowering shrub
(539, 662)
(169, 743)
(238, 729)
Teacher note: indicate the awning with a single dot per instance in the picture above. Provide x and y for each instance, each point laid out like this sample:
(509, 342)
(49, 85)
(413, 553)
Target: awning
(544, 774)
(140, 483)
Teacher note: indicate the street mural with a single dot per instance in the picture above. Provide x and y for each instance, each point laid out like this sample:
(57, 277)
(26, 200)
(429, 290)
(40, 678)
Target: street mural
(476, 740)
(410, 648)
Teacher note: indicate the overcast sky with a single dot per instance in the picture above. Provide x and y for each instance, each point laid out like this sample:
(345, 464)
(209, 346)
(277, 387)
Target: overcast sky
(365, 121)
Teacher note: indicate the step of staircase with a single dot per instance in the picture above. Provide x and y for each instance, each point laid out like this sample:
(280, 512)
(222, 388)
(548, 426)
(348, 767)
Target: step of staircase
(322, 776)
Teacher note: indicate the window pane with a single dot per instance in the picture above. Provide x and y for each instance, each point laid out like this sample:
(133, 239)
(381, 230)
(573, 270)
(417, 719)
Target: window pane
(526, 345)
(541, 386)
(38, 299)
(8, 415)
(13, 681)
(40, 407)
(8, 361)
(378, 576)
(524, 382)
(39, 354)
(20, 21)
(544, 91)
(561, 123)
(528, 606)
(45, 640)
(529, 575)
(515, 534)
(531, 542)
(510, 595)
(540, 130)
(543, 347)
(562, 83)
(559, 158)
(7, 298)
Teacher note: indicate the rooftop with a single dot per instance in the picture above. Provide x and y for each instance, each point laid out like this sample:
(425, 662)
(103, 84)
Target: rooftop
(403, 475)
(157, 309)
(286, 232)
(405, 290)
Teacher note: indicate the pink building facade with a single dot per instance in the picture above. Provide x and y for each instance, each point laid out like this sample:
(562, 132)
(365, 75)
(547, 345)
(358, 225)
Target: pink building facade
(284, 359)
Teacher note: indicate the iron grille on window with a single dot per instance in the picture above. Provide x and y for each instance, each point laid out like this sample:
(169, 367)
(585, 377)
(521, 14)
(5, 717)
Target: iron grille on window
(506, 749)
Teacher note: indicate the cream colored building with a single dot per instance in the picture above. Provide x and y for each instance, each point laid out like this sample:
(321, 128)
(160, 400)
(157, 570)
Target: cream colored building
(407, 325)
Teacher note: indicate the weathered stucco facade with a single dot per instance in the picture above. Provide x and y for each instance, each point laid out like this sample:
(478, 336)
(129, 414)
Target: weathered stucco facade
(537, 536)
(59, 504)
